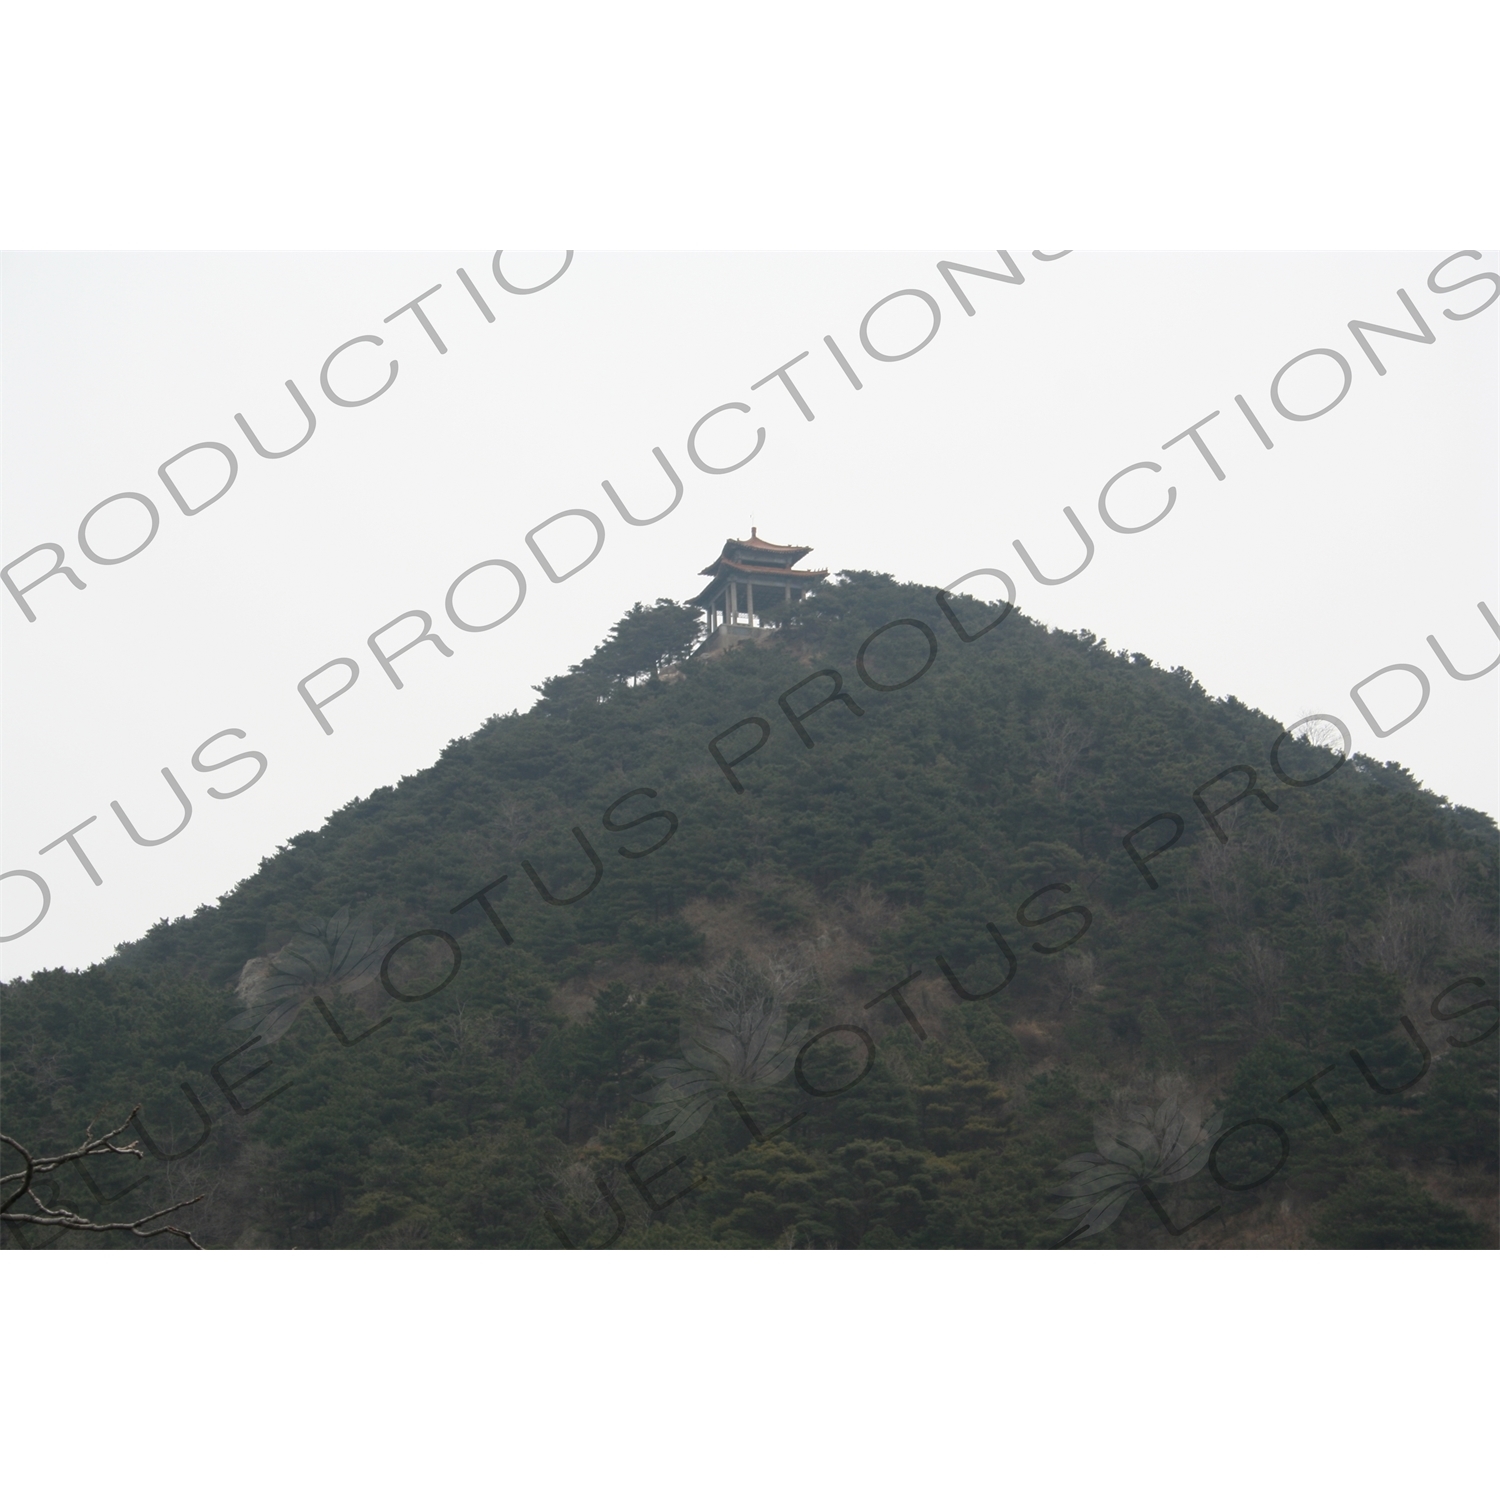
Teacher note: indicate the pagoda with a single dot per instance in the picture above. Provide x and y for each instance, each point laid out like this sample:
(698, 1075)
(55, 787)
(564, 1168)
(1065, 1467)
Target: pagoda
(745, 571)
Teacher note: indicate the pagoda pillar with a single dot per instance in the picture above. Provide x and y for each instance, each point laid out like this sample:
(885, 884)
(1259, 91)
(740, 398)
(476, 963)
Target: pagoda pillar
(749, 603)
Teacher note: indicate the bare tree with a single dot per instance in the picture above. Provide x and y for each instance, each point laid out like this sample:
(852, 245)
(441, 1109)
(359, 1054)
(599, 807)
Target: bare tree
(1262, 966)
(1321, 734)
(1063, 742)
(20, 1188)
(740, 1039)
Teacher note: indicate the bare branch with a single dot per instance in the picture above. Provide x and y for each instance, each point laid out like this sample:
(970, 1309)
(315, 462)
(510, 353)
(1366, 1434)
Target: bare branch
(38, 1167)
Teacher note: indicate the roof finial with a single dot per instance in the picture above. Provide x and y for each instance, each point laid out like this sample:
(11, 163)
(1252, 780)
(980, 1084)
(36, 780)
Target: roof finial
(752, 533)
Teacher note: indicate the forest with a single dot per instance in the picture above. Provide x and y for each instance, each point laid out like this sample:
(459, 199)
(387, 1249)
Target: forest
(909, 923)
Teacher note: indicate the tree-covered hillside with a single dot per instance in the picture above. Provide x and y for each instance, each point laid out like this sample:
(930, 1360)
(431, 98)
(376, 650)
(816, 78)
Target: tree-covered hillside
(767, 949)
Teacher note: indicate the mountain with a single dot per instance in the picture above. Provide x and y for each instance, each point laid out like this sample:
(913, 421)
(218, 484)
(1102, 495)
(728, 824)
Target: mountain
(909, 923)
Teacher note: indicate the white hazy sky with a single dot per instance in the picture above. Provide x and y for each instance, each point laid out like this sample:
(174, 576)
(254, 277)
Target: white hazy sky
(1306, 569)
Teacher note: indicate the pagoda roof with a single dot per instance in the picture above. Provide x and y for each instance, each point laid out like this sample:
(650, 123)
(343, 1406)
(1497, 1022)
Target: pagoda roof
(749, 572)
(789, 553)
(767, 569)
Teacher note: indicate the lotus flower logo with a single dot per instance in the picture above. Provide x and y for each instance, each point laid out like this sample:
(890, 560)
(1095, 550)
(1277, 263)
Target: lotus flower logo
(1137, 1152)
(335, 955)
(741, 1041)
